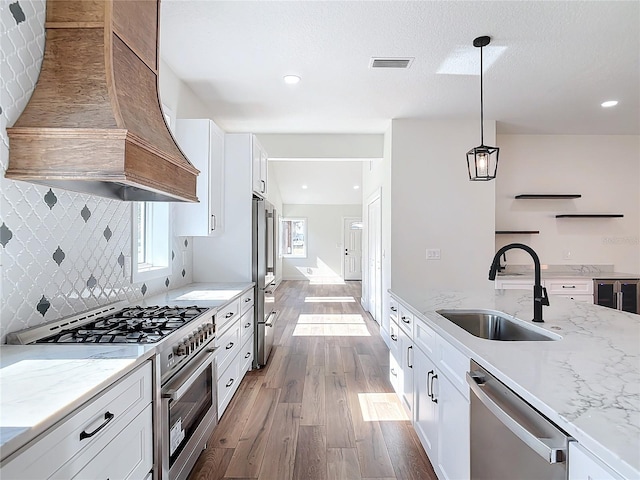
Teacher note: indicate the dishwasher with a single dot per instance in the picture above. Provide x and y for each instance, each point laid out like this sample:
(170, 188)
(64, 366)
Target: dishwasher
(509, 438)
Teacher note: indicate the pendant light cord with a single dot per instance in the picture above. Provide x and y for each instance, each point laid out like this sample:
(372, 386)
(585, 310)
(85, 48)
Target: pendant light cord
(481, 104)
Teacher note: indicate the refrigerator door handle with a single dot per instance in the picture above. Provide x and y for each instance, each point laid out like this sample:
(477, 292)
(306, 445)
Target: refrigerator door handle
(268, 322)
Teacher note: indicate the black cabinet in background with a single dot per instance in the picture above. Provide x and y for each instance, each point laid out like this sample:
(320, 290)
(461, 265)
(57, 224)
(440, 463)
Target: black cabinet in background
(619, 294)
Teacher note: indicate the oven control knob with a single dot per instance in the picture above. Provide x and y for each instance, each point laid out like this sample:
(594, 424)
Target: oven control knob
(202, 334)
(211, 328)
(180, 349)
(193, 343)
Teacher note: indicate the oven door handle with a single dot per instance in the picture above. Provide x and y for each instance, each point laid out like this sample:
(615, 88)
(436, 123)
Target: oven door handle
(185, 379)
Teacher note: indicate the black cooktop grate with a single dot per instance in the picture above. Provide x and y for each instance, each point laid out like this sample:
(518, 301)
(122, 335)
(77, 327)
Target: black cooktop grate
(129, 325)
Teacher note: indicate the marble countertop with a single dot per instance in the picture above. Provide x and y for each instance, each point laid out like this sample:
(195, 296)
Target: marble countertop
(41, 384)
(588, 383)
(210, 295)
(582, 275)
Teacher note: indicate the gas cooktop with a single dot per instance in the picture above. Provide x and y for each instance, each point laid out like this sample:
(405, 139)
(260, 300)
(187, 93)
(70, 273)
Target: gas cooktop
(129, 325)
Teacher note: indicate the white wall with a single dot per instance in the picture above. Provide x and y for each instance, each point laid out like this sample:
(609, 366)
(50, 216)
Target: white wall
(434, 205)
(275, 198)
(176, 95)
(604, 169)
(325, 241)
(376, 177)
(319, 146)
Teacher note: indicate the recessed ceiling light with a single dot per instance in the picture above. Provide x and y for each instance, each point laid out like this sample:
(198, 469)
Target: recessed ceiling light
(609, 103)
(291, 79)
(356, 187)
(304, 187)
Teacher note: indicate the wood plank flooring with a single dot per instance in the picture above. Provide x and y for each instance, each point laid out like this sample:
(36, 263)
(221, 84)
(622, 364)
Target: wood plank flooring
(323, 408)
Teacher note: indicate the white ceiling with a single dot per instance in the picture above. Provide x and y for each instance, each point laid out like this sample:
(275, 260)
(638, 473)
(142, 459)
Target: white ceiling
(549, 66)
(560, 61)
(317, 176)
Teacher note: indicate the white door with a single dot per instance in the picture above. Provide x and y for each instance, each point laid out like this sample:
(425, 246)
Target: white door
(352, 253)
(374, 260)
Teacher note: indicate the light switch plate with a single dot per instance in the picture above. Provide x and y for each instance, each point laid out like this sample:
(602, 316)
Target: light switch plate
(433, 254)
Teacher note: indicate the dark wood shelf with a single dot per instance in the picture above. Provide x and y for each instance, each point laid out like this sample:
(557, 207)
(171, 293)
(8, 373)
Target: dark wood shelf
(517, 232)
(551, 196)
(590, 215)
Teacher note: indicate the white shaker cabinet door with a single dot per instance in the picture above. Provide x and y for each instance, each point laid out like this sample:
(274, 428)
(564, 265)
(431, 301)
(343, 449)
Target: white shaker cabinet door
(426, 407)
(453, 432)
(203, 144)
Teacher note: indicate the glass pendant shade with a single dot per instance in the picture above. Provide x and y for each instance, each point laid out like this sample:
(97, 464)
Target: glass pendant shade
(482, 163)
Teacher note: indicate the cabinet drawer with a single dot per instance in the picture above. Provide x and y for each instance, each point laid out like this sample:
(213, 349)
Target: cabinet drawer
(115, 408)
(569, 287)
(228, 382)
(228, 345)
(246, 301)
(226, 315)
(394, 371)
(424, 338)
(405, 320)
(394, 335)
(246, 326)
(452, 363)
(246, 356)
(128, 456)
(393, 308)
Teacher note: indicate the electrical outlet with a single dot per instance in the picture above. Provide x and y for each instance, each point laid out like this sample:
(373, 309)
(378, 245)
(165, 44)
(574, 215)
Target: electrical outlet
(566, 255)
(433, 254)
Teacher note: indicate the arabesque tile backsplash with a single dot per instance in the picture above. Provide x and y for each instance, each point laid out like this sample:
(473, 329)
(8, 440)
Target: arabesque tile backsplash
(60, 252)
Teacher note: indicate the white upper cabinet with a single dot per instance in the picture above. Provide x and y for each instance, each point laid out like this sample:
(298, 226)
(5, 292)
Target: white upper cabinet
(203, 143)
(258, 167)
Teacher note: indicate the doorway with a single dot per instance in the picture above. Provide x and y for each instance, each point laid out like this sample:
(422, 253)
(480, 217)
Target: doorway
(352, 253)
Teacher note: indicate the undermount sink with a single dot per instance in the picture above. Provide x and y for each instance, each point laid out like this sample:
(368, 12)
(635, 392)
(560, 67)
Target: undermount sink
(492, 325)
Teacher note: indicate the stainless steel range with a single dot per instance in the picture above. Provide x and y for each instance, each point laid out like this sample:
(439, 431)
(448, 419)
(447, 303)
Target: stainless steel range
(186, 399)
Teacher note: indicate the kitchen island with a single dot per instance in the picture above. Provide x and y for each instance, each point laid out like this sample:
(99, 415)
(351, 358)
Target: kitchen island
(587, 382)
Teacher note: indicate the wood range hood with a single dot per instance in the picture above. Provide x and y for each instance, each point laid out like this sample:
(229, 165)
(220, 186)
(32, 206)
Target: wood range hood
(94, 123)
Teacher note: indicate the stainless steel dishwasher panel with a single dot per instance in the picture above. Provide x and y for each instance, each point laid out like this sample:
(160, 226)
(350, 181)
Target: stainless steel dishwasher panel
(509, 438)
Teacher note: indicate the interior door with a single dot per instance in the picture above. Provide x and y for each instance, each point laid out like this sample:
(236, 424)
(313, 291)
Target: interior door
(352, 248)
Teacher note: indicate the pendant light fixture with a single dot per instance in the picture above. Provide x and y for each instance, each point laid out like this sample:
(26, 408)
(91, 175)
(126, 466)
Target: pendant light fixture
(482, 161)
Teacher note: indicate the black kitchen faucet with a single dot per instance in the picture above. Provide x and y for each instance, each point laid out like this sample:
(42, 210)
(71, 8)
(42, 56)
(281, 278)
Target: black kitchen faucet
(540, 297)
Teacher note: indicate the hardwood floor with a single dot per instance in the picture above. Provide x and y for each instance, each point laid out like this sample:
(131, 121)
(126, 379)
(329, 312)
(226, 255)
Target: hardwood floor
(323, 408)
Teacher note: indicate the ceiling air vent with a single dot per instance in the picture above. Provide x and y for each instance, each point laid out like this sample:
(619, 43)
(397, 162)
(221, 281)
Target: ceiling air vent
(397, 62)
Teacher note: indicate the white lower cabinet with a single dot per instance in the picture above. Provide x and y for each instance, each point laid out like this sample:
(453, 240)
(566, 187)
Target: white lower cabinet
(584, 466)
(89, 443)
(453, 431)
(425, 419)
(234, 344)
(432, 386)
(405, 377)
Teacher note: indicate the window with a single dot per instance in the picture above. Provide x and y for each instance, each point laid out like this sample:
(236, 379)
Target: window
(151, 235)
(293, 237)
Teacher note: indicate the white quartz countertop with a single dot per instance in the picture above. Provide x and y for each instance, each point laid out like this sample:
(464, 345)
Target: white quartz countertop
(41, 384)
(588, 383)
(210, 295)
(572, 274)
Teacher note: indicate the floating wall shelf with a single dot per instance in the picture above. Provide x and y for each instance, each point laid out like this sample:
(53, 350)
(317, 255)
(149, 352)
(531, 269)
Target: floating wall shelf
(517, 232)
(551, 196)
(590, 215)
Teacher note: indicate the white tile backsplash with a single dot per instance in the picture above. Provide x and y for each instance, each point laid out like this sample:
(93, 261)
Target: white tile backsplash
(85, 272)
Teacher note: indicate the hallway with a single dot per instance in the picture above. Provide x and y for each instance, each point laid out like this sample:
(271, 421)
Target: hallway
(323, 408)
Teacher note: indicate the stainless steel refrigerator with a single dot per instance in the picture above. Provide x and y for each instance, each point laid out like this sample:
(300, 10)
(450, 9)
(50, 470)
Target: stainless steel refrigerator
(264, 255)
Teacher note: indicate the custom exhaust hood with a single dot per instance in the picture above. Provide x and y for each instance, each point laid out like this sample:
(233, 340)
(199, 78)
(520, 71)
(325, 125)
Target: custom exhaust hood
(94, 123)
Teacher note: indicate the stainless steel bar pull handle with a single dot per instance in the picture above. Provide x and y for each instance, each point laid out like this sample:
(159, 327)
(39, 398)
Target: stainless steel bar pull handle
(551, 453)
(409, 359)
(213, 222)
